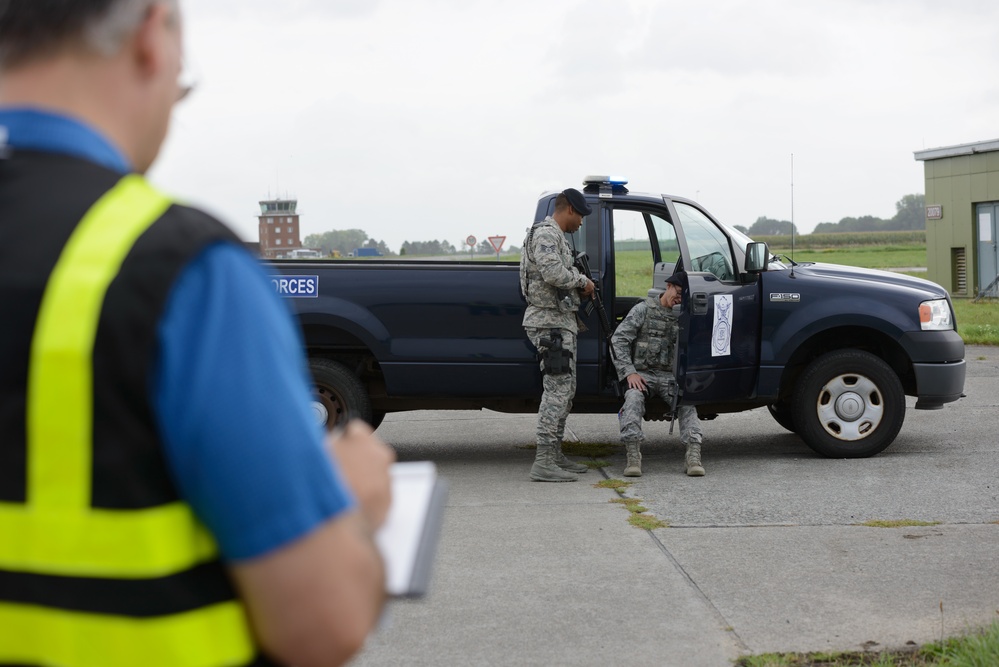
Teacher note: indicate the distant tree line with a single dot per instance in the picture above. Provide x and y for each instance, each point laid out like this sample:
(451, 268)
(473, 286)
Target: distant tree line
(909, 215)
(445, 248)
(427, 248)
(344, 241)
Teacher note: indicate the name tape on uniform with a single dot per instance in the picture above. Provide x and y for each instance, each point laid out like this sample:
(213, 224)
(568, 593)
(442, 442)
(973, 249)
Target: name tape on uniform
(297, 287)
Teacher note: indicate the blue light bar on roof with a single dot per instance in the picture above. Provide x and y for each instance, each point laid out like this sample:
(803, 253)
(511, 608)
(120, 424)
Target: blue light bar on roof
(605, 180)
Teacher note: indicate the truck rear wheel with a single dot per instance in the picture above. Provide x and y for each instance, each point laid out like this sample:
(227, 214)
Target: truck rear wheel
(338, 393)
(850, 404)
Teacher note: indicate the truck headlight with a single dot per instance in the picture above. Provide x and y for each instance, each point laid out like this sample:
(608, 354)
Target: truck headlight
(935, 315)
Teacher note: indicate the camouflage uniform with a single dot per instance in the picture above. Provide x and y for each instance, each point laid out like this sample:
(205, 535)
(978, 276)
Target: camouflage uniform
(549, 283)
(644, 343)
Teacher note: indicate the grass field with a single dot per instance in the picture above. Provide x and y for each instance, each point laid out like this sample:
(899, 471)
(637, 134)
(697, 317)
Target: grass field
(871, 257)
(978, 323)
(976, 649)
(845, 239)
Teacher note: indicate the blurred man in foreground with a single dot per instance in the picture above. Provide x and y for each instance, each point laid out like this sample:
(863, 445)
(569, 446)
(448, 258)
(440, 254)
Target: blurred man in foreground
(165, 495)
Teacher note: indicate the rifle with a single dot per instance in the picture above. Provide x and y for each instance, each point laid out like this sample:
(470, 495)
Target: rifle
(676, 377)
(582, 262)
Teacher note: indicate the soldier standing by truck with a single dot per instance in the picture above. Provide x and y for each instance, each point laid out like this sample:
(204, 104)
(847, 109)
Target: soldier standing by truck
(644, 346)
(552, 287)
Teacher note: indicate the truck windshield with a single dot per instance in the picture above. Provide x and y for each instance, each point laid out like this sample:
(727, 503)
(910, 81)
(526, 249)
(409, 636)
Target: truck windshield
(742, 240)
(708, 245)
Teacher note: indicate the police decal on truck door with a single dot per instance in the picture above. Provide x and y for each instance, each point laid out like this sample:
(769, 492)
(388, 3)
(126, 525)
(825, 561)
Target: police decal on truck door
(723, 314)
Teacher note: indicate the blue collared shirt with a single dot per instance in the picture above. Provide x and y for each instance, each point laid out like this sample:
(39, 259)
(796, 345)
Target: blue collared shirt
(37, 130)
(229, 385)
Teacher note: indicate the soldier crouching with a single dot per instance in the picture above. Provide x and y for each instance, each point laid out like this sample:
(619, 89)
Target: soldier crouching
(644, 346)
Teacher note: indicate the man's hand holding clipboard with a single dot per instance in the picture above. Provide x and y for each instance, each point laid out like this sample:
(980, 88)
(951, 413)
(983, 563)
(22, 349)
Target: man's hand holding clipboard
(402, 503)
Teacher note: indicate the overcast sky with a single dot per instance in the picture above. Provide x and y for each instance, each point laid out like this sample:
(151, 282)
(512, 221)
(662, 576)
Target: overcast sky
(437, 119)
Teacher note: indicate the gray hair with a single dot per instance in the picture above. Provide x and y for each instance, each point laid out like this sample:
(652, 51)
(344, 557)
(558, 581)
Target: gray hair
(31, 29)
(105, 34)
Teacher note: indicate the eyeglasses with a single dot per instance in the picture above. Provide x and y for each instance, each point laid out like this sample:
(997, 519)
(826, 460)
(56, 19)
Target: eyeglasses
(187, 81)
(183, 91)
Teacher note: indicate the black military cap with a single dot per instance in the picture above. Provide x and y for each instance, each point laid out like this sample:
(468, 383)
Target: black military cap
(676, 279)
(577, 201)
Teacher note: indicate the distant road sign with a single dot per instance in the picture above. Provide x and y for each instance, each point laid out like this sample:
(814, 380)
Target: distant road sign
(470, 240)
(496, 242)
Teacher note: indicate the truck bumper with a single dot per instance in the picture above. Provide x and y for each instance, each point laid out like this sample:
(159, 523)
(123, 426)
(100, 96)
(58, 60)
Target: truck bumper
(939, 366)
(939, 384)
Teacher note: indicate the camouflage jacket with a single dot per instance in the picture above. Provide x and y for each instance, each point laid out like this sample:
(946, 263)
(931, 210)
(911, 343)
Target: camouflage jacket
(548, 280)
(645, 339)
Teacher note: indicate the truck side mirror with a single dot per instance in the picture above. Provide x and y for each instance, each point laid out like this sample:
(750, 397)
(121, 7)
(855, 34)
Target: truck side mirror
(756, 257)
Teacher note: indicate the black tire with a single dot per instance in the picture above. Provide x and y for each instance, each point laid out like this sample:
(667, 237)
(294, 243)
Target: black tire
(376, 418)
(339, 394)
(849, 404)
(783, 414)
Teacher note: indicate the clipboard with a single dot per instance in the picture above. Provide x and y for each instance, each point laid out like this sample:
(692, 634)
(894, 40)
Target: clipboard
(408, 539)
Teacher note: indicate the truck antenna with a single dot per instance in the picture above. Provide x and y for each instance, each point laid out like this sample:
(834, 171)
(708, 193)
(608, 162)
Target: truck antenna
(792, 215)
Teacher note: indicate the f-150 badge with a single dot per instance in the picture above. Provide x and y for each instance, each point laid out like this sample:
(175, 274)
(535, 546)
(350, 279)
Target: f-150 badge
(793, 297)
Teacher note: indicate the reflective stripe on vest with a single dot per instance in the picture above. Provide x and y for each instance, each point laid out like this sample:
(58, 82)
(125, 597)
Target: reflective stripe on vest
(56, 531)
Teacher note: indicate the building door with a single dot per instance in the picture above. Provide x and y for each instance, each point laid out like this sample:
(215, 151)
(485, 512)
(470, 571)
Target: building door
(988, 251)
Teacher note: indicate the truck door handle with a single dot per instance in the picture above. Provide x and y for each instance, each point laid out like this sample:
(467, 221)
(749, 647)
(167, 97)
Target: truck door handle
(700, 303)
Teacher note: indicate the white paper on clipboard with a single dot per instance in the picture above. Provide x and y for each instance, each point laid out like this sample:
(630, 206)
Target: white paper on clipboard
(408, 538)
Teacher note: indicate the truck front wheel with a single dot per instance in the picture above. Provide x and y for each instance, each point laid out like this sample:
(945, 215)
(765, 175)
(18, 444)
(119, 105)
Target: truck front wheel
(850, 404)
(338, 394)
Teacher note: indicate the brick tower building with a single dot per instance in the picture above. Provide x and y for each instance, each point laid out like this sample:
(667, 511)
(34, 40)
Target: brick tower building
(278, 227)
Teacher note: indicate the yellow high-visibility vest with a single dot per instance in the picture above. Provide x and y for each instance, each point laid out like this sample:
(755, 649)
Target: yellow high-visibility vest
(56, 533)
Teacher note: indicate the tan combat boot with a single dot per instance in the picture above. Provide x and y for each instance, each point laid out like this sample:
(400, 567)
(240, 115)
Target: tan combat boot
(634, 465)
(544, 468)
(693, 466)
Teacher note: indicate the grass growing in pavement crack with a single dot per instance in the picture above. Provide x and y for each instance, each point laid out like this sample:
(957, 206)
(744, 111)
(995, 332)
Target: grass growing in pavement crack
(593, 450)
(972, 650)
(633, 505)
(875, 523)
(646, 521)
(598, 463)
(636, 517)
(616, 484)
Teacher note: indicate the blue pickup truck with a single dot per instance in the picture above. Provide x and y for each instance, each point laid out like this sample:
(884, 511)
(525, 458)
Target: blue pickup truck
(831, 351)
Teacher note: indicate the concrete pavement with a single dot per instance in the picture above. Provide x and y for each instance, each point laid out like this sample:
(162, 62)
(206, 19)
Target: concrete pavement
(763, 554)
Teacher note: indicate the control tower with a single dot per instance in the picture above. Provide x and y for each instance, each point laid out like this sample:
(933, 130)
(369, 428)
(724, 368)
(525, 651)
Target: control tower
(278, 227)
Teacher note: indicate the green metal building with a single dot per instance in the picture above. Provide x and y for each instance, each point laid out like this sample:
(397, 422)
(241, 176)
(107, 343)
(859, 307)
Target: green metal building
(962, 215)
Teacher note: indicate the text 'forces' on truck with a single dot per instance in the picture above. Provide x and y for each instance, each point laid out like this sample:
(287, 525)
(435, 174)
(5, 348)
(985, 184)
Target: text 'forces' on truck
(832, 351)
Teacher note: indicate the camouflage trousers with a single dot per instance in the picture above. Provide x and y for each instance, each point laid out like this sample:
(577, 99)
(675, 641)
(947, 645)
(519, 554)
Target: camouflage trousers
(660, 383)
(556, 401)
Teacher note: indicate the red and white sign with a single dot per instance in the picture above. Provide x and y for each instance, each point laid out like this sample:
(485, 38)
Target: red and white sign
(496, 242)
(470, 240)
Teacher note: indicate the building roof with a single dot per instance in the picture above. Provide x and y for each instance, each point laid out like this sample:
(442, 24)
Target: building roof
(959, 149)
